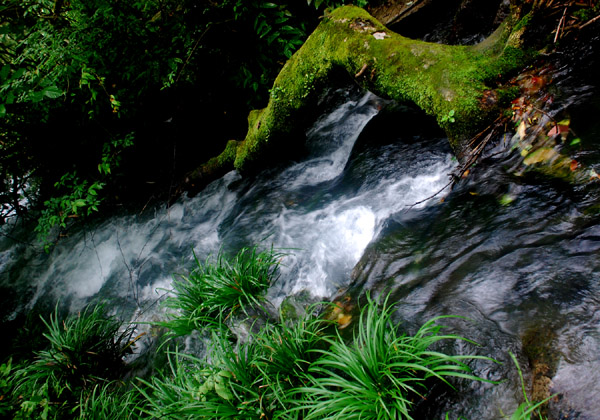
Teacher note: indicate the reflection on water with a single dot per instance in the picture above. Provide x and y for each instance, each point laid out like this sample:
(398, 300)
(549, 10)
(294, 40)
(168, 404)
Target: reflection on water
(526, 275)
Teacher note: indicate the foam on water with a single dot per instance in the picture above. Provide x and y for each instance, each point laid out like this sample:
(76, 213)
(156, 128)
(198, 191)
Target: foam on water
(314, 207)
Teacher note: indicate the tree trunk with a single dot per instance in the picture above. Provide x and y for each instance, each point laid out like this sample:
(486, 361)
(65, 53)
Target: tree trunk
(452, 83)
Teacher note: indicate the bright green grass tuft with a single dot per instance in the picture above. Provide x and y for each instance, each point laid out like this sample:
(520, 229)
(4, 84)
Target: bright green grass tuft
(382, 372)
(306, 371)
(287, 352)
(226, 388)
(213, 292)
(83, 355)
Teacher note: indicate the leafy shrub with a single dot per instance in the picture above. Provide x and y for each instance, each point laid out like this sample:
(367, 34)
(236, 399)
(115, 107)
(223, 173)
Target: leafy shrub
(7, 384)
(80, 196)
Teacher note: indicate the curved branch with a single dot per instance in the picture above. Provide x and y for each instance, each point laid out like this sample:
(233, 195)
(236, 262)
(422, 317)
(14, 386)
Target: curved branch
(440, 79)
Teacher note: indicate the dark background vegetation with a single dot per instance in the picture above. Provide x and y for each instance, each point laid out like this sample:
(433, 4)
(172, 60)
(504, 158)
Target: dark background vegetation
(109, 103)
(124, 97)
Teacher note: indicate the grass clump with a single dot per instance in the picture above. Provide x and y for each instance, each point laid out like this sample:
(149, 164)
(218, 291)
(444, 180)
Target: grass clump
(300, 369)
(251, 380)
(213, 292)
(306, 370)
(527, 410)
(381, 373)
(288, 350)
(80, 365)
(226, 387)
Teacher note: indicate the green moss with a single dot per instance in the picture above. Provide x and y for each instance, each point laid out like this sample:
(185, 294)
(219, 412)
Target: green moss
(507, 94)
(214, 168)
(223, 162)
(437, 78)
(523, 22)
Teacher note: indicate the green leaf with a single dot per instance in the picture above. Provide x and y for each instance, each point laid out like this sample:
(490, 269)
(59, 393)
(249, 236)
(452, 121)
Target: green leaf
(36, 96)
(223, 391)
(575, 141)
(20, 72)
(2, 110)
(52, 92)
(4, 72)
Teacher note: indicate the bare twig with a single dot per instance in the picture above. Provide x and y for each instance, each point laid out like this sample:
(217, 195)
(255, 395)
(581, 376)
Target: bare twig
(129, 270)
(473, 156)
(553, 120)
(187, 60)
(431, 196)
(561, 22)
(589, 22)
(361, 71)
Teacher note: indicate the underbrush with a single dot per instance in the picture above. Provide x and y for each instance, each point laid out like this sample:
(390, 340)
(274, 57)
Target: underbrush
(80, 368)
(285, 369)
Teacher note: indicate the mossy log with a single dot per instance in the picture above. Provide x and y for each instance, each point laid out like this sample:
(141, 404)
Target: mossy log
(440, 79)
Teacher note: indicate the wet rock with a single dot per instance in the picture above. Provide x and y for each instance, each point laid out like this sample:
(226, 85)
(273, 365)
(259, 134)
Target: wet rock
(539, 347)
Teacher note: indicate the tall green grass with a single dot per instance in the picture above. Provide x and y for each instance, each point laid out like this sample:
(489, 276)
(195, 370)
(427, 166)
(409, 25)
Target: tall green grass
(213, 292)
(381, 373)
(286, 370)
(226, 387)
(113, 400)
(83, 352)
(288, 350)
(307, 371)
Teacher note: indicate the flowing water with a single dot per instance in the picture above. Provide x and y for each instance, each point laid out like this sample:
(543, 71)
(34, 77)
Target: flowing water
(524, 271)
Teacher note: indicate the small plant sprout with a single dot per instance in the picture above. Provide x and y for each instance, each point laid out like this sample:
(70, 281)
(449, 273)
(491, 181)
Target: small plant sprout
(449, 117)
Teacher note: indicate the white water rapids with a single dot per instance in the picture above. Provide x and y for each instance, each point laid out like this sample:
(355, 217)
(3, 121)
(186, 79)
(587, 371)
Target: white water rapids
(322, 211)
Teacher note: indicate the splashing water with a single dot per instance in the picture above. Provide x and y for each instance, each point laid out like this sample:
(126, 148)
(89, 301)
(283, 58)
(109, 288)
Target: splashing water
(324, 209)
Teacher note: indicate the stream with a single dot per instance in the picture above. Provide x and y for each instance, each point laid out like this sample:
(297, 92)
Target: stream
(362, 211)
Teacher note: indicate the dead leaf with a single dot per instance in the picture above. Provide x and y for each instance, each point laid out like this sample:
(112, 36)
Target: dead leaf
(574, 165)
(521, 131)
(344, 320)
(558, 129)
(543, 154)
